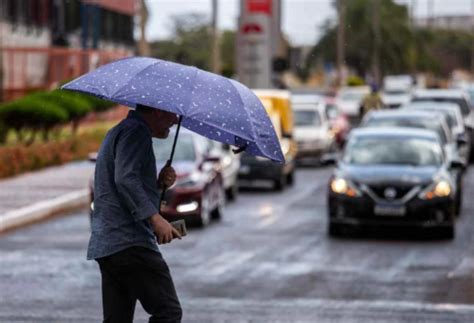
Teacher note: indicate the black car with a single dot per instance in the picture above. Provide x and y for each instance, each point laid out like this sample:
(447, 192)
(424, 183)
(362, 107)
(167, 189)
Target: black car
(394, 177)
(435, 122)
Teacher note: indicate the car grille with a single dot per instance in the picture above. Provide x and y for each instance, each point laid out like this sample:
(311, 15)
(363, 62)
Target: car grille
(400, 191)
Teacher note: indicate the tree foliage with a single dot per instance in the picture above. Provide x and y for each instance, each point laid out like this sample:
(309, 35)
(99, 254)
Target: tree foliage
(190, 44)
(403, 49)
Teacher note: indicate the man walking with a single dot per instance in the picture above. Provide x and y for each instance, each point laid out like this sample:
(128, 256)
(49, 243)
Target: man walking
(126, 223)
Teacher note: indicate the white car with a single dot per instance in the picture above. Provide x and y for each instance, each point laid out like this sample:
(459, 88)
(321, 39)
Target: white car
(457, 96)
(349, 100)
(313, 132)
(396, 90)
(454, 119)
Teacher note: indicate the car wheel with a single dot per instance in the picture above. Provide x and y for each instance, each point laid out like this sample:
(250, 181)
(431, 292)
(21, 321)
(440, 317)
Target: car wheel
(232, 192)
(447, 232)
(280, 183)
(290, 179)
(335, 230)
(458, 204)
(218, 211)
(205, 216)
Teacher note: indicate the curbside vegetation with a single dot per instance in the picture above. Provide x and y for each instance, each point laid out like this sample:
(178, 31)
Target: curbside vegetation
(20, 159)
(41, 113)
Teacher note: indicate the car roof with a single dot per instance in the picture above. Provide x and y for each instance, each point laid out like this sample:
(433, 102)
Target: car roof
(439, 93)
(285, 94)
(434, 106)
(308, 102)
(402, 113)
(395, 132)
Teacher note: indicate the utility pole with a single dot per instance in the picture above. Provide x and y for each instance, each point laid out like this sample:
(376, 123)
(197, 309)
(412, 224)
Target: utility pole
(215, 54)
(430, 19)
(340, 40)
(376, 45)
(472, 42)
(143, 45)
(412, 13)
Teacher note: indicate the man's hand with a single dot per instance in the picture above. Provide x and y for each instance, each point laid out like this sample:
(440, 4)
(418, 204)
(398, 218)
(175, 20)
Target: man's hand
(163, 229)
(167, 176)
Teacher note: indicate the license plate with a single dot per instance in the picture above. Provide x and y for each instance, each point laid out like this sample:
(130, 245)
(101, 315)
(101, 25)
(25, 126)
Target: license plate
(244, 169)
(390, 210)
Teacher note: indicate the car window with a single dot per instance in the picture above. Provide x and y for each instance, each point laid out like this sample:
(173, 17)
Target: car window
(352, 96)
(184, 150)
(331, 111)
(400, 151)
(307, 118)
(431, 124)
(463, 104)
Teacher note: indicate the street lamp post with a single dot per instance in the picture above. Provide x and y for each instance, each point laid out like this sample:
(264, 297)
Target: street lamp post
(215, 57)
(376, 46)
(340, 40)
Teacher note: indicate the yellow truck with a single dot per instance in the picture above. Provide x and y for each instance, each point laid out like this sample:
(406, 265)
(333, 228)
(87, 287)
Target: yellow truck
(277, 103)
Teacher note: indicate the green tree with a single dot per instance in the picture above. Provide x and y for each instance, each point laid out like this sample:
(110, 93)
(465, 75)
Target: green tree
(190, 43)
(395, 36)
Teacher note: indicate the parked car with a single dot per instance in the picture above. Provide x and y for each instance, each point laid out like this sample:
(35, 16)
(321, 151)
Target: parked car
(313, 131)
(457, 96)
(230, 164)
(454, 121)
(393, 177)
(252, 169)
(424, 120)
(198, 194)
(349, 100)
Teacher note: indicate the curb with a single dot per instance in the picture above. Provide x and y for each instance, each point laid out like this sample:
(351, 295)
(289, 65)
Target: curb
(43, 210)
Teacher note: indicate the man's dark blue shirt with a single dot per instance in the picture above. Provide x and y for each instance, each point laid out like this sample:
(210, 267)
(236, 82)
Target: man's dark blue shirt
(126, 193)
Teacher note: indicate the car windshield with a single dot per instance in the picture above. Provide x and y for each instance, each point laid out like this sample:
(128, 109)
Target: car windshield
(463, 105)
(352, 96)
(307, 118)
(184, 150)
(393, 151)
(395, 92)
(409, 123)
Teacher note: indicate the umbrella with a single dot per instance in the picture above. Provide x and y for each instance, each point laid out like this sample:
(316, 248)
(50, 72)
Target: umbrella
(216, 107)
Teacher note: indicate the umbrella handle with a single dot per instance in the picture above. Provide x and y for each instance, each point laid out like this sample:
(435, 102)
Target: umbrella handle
(170, 161)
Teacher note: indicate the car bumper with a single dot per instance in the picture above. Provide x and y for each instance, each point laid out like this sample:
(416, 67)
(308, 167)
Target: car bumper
(418, 213)
(260, 170)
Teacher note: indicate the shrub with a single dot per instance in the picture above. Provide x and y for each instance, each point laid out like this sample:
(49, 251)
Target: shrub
(32, 113)
(20, 159)
(354, 80)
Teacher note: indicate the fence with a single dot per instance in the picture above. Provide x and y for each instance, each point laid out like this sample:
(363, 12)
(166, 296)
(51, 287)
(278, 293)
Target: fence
(29, 69)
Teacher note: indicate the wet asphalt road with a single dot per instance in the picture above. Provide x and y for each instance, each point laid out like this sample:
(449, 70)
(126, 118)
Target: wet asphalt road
(268, 260)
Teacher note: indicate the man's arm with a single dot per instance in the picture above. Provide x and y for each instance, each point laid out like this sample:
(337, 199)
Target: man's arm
(131, 152)
(132, 149)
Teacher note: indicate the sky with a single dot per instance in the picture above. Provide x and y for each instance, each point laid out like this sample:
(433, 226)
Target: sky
(301, 19)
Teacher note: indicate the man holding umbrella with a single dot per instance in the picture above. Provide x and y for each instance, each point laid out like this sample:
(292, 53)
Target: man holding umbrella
(126, 203)
(126, 222)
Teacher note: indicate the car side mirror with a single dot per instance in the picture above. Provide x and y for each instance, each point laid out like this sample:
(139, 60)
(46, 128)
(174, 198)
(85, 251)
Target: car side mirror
(226, 147)
(329, 159)
(456, 164)
(460, 140)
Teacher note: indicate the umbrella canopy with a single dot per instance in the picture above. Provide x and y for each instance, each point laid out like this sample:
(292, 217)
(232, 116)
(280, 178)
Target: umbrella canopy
(211, 105)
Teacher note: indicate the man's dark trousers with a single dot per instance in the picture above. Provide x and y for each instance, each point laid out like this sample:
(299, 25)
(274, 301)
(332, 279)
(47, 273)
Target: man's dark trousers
(138, 273)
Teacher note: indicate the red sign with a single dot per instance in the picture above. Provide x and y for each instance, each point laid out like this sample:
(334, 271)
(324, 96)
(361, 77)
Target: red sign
(251, 28)
(259, 6)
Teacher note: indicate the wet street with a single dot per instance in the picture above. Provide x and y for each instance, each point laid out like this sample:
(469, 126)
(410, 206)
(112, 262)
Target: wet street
(268, 260)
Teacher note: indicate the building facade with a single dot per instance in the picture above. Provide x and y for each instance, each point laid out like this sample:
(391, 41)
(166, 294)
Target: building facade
(44, 42)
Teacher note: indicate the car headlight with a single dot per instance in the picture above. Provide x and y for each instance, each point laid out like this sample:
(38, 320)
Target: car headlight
(438, 189)
(341, 186)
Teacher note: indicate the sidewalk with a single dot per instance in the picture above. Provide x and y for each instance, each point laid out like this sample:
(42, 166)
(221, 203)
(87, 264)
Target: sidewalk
(37, 195)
